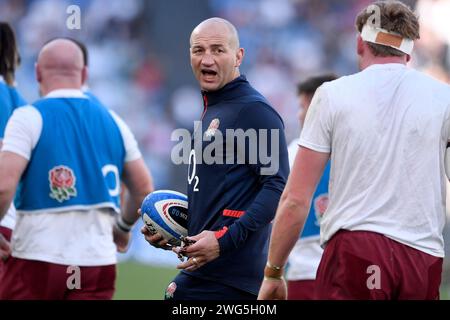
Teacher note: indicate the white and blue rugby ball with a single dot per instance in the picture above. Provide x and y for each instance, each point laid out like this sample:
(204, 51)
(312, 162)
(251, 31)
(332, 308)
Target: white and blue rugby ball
(165, 212)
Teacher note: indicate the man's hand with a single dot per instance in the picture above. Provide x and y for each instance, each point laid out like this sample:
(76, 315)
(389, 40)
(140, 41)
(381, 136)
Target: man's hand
(273, 289)
(121, 239)
(5, 249)
(155, 239)
(205, 249)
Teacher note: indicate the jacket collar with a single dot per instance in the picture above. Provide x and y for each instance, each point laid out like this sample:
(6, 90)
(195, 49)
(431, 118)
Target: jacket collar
(229, 91)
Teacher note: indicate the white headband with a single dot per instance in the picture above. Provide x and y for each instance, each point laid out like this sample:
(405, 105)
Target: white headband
(387, 38)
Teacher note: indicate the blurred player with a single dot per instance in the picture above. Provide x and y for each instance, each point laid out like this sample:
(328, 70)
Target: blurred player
(10, 99)
(230, 205)
(69, 154)
(305, 256)
(386, 129)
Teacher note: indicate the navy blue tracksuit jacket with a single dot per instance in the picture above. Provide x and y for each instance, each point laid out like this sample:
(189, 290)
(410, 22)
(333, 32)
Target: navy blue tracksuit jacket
(234, 198)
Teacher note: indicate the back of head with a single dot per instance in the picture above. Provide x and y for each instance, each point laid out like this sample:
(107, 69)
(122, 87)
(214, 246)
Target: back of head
(80, 45)
(310, 85)
(9, 54)
(394, 17)
(83, 49)
(60, 65)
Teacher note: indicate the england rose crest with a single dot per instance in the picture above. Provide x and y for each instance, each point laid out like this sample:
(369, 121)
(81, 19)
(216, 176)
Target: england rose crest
(213, 126)
(62, 183)
(320, 206)
(170, 290)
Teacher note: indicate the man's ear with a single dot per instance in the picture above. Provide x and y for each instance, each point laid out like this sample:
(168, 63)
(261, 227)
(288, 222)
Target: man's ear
(239, 57)
(84, 75)
(360, 47)
(37, 73)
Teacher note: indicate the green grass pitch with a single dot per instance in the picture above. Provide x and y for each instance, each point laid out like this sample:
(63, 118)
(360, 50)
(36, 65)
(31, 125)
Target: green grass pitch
(142, 282)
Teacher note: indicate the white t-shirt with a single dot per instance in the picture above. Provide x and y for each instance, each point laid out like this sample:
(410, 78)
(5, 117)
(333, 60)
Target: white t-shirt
(304, 258)
(69, 238)
(387, 128)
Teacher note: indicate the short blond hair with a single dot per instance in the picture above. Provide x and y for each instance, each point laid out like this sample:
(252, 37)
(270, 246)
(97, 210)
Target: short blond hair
(396, 17)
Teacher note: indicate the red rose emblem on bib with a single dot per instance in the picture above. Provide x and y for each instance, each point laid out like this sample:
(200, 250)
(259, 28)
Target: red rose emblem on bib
(320, 206)
(62, 183)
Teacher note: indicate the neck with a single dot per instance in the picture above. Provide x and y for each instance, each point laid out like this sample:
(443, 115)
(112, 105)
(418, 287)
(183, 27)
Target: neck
(49, 87)
(367, 62)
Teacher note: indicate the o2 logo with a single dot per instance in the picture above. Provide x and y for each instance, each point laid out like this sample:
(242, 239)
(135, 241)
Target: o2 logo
(192, 177)
(107, 171)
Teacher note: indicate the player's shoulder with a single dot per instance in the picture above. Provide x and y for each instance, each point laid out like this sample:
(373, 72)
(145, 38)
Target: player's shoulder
(261, 111)
(427, 81)
(94, 99)
(341, 87)
(249, 96)
(118, 119)
(18, 99)
(27, 114)
(343, 82)
(256, 103)
(121, 124)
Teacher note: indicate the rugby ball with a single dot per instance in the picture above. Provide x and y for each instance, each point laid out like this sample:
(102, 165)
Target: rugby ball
(165, 212)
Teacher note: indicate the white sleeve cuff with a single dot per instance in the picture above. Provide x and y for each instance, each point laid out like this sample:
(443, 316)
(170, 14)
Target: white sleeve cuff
(314, 147)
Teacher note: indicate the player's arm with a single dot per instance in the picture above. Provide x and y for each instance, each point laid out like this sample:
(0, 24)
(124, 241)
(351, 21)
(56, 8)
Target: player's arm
(290, 218)
(136, 177)
(312, 157)
(138, 182)
(11, 168)
(21, 135)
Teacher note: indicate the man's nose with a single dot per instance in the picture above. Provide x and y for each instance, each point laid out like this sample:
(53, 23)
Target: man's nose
(207, 59)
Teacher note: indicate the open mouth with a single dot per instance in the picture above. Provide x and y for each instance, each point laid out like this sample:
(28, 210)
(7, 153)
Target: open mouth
(208, 72)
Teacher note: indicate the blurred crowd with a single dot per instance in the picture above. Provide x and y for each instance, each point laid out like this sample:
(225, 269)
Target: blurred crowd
(285, 41)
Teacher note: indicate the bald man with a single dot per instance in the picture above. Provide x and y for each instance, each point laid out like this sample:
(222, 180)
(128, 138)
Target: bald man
(69, 154)
(231, 201)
